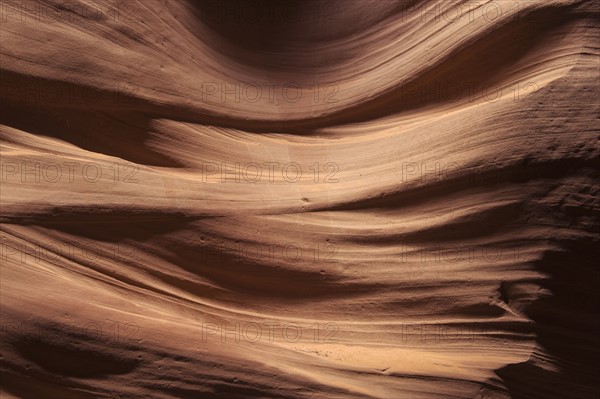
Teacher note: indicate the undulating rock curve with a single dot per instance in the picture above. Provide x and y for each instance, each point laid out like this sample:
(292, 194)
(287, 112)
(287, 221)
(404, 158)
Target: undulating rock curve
(303, 199)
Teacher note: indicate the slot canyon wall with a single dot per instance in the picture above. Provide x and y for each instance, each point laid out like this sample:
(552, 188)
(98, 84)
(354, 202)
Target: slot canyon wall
(301, 199)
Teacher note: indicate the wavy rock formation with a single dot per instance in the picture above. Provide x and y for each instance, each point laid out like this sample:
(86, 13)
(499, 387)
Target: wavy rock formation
(304, 199)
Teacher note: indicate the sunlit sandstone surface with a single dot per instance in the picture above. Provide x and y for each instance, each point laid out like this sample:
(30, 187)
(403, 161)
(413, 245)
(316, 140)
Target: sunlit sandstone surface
(316, 199)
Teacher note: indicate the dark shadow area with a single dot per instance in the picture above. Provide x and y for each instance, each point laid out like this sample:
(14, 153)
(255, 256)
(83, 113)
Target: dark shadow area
(265, 33)
(567, 321)
(56, 356)
(111, 123)
(434, 187)
(74, 362)
(117, 227)
(260, 271)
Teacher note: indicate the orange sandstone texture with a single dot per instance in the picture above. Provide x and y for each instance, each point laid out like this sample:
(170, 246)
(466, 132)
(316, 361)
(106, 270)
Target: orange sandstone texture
(303, 199)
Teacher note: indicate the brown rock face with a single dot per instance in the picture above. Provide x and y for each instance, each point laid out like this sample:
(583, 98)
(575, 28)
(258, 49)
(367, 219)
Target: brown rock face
(299, 199)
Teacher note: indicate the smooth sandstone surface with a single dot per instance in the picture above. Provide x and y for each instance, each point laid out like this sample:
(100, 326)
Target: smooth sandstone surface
(316, 199)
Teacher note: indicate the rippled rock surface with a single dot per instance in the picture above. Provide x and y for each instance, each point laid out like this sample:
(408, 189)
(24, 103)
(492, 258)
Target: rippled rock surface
(303, 199)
